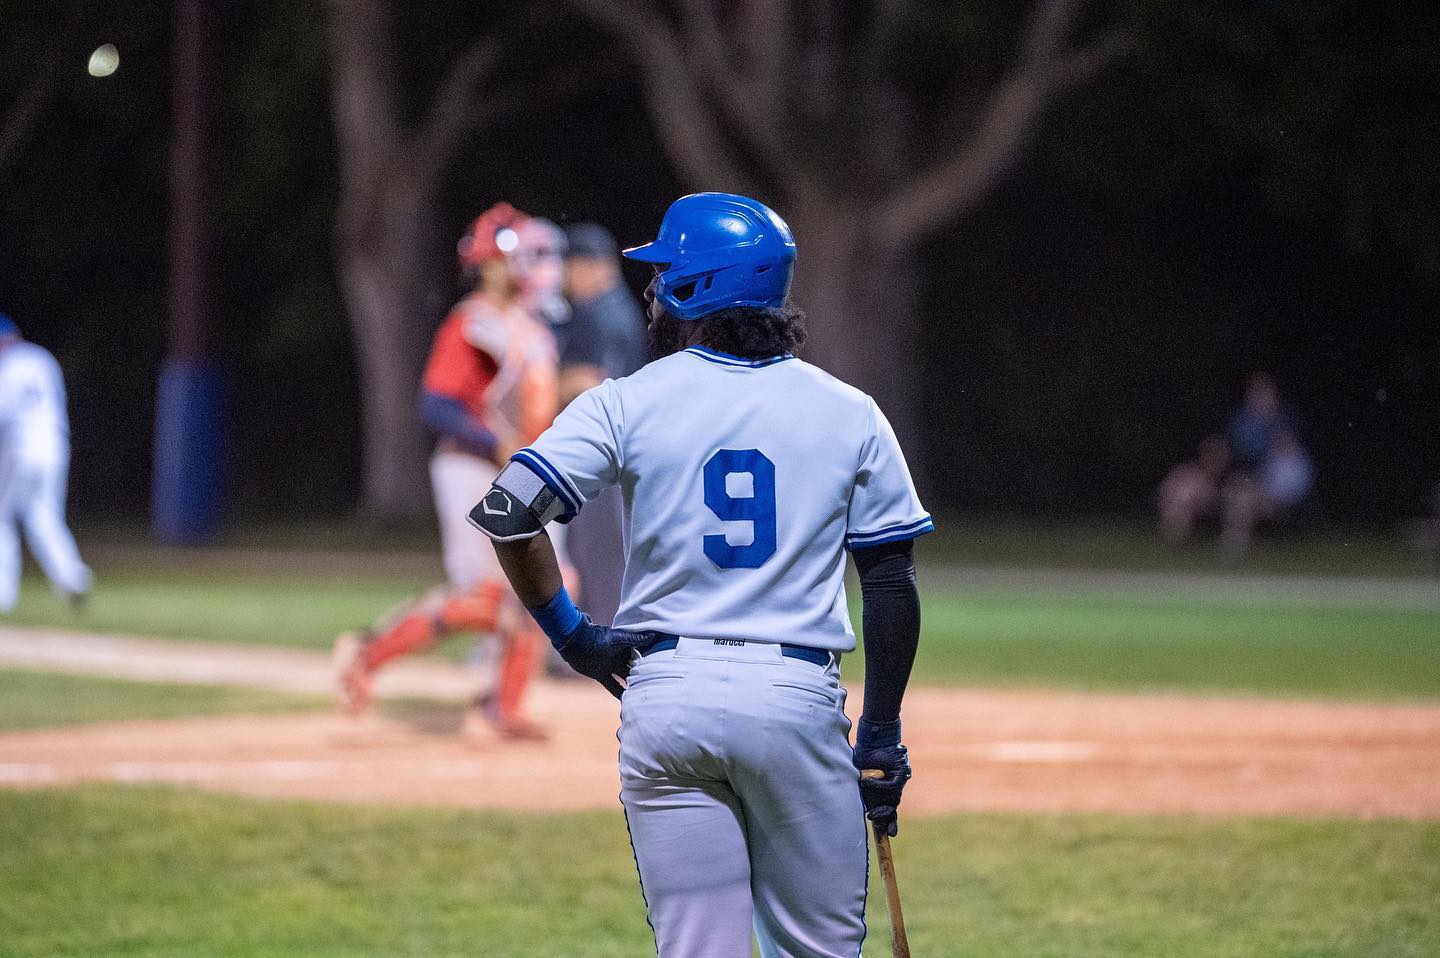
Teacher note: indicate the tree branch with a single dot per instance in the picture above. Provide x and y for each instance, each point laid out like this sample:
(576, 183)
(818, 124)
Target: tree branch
(822, 59)
(757, 111)
(22, 116)
(1088, 62)
(747, 110)
(889, 114)
(1048, 29)
(878, 40)
(455, 110)
(1042, 70)
(768, 38)
(688, 126)
(509, 102)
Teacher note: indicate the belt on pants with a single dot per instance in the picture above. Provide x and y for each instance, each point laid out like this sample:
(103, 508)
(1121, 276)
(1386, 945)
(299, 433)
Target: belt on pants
(804, 653)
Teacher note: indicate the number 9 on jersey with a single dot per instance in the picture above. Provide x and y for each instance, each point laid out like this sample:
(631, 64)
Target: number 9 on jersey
(758, 508)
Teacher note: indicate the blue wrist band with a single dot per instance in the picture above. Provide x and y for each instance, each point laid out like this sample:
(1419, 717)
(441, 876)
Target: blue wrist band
(556, 618)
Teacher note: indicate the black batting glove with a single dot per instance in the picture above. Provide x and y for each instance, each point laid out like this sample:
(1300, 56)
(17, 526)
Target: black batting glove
(877, 746)
(601, 653)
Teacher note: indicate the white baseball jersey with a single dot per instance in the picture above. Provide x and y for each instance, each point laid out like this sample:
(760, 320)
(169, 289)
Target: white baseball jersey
(34, 464)
(743, 482)
(33, 424)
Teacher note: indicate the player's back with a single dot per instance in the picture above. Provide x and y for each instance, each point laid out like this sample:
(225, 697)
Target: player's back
(33, 423)
(742, 482)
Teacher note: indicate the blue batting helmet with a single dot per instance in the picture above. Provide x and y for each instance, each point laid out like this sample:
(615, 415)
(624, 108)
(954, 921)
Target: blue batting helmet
(7, 326)
(717, 250)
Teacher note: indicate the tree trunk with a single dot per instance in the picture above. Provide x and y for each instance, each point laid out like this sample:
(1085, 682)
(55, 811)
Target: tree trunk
(395, 293)
(861, 301)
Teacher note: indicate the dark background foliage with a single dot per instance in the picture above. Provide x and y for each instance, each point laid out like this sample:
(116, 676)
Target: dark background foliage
(1255, 188)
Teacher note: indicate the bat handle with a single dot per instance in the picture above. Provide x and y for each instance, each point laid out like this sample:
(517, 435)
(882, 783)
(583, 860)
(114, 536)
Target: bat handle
(899, 942)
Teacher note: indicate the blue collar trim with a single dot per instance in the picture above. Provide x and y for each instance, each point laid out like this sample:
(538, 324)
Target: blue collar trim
(725, 359)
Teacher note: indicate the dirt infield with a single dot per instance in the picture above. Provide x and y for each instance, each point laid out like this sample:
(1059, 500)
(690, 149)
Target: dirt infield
(973, 749)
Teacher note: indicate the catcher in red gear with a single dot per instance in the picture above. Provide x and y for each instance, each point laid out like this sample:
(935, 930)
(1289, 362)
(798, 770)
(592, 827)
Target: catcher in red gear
(489, 388)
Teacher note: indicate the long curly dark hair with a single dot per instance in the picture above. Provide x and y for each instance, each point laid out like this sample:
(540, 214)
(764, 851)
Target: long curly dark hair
(750, 332)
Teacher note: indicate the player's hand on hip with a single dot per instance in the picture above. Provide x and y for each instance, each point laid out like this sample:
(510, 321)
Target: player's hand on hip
(877, 746)
(601, 653)
(604, 654)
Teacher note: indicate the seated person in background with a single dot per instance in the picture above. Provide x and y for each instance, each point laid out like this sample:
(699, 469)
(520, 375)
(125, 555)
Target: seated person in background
(1256, 424)
(1192, 489)
(1276, 489)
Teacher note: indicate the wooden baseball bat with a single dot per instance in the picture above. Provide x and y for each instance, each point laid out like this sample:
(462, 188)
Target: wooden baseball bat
(899, 944)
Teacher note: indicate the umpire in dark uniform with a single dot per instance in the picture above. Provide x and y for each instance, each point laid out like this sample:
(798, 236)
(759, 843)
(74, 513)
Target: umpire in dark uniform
(604, 339)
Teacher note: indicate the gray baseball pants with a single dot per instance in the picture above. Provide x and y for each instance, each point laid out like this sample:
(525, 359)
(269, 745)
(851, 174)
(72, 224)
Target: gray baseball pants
(742, 803)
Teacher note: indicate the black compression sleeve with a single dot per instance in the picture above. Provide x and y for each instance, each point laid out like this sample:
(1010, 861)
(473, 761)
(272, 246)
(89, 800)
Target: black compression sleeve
(892, 625)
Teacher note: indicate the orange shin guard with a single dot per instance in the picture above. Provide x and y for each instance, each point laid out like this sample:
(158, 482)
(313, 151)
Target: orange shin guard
(518, 664)
(412, 633)
(473, 611)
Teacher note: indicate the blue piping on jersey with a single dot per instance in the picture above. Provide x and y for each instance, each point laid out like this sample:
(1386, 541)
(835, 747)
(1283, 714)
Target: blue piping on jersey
(910, 530)
(725, 359)
(553, 478)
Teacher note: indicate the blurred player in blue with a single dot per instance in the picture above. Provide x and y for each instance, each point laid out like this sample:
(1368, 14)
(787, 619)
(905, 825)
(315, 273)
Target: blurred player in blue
(746, 475)
(34, 468)
(605, 335)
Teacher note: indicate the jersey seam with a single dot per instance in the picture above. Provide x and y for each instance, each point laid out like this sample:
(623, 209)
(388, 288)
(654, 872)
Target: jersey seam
(615, 432)
(860, 460)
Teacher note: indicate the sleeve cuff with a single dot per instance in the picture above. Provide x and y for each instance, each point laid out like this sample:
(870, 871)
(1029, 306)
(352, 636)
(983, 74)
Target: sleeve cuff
(896, 533)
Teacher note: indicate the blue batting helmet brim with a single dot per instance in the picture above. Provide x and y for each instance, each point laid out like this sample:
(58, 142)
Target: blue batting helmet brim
(655, 252)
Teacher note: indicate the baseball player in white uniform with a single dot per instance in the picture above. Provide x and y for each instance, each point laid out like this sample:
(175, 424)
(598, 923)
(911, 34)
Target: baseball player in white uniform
(746, 475)
(34, 468)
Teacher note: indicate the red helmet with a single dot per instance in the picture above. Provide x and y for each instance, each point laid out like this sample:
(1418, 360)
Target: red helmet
(492, 236)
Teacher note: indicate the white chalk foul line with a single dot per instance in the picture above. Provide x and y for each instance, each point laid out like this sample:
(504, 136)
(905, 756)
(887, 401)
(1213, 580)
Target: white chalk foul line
(1039, 751)
(30, 773)
(36, 773)
(271, 770)
(27, 773)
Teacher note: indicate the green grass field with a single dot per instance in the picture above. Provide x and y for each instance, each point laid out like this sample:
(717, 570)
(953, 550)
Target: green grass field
(281, 610)
(110, 870)
(1134, 546)
(155, 871)
(1103, 642)
(1089, 637)
(42, 700)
